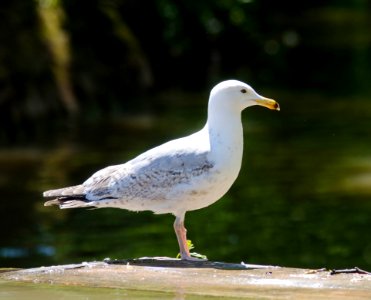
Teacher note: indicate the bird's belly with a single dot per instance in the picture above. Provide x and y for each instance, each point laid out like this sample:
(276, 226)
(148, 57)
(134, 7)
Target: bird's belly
(199, 192)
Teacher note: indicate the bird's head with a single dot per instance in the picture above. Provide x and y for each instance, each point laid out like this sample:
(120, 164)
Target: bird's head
(239, 95)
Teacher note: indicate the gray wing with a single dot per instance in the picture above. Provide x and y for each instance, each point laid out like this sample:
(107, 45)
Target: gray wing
(149, 176)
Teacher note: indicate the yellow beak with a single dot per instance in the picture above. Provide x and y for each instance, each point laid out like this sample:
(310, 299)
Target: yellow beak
(269, 103)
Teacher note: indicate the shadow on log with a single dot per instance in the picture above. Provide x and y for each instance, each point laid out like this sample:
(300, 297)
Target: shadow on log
(168, 262)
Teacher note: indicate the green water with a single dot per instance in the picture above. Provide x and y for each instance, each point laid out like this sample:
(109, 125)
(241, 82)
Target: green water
(302, 198)
(20, 291)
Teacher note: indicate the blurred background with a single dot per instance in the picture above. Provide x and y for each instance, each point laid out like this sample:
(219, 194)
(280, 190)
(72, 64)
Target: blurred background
(86, 84)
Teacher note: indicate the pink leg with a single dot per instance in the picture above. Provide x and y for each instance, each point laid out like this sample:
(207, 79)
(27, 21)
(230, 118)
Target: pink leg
(181, 234)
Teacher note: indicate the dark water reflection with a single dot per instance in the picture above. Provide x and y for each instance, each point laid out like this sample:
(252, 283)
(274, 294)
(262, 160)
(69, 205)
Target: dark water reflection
(303, 197)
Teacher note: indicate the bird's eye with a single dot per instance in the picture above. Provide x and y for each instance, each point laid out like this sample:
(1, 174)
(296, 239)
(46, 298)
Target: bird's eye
(243, 91)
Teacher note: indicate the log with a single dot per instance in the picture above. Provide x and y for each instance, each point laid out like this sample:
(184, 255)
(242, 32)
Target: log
(173, 276)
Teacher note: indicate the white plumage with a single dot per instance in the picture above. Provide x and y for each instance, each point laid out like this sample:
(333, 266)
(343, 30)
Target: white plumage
(181, 175)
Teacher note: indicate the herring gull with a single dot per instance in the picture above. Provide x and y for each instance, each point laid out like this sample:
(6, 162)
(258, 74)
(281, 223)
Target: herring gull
(181, 175)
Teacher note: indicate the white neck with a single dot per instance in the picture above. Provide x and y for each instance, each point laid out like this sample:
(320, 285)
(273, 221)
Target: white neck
(226, 137)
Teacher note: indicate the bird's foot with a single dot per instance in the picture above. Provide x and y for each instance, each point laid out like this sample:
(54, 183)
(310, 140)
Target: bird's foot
(191, 258)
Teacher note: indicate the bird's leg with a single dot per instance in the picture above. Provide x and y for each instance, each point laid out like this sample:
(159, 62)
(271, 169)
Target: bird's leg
(181, 234)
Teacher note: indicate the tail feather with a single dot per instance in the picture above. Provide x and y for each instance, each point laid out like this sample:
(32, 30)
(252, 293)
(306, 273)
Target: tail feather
(52, 202)
(69, 203)
(74, 204)
(69, 197)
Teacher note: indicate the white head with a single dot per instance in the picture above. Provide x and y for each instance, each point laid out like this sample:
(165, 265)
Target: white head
(236, 95)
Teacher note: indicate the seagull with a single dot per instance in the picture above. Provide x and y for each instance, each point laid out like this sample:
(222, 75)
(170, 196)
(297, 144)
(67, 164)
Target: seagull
(181, 175)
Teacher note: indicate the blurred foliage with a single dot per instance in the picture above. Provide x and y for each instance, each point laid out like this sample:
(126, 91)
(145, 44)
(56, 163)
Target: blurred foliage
(106, 56)
(64, 61)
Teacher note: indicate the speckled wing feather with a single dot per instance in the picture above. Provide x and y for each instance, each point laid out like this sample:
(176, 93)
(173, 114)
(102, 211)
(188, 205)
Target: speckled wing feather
(148, 176)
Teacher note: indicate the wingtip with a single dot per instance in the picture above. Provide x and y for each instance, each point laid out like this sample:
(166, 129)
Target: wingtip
(48, 193)
(67, 191)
